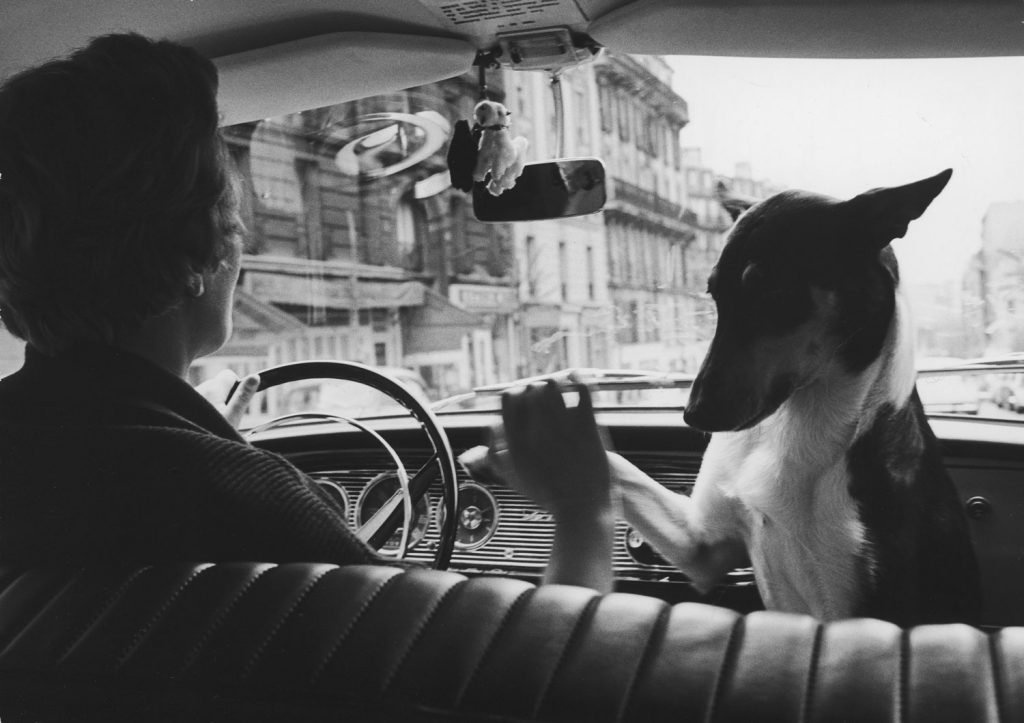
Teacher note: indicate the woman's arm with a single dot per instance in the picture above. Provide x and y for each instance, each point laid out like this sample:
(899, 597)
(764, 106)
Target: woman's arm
(558, 460)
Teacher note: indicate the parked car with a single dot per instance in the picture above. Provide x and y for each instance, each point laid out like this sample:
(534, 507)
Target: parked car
(1008, 392)
(949, 392)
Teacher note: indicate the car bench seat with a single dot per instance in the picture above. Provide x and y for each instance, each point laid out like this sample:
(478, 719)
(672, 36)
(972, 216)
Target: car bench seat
(251, 641)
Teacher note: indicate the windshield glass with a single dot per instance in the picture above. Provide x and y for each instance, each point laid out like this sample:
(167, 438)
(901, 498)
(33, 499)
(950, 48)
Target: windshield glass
(358, 247)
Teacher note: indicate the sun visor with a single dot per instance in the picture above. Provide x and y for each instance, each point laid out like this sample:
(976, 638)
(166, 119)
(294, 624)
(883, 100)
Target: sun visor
(332, 68)
(813, 29)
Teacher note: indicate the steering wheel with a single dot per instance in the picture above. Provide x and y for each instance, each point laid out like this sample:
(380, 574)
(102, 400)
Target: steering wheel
(399, 508)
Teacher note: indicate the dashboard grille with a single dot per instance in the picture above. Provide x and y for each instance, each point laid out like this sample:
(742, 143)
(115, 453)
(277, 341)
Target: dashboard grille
(523, 533)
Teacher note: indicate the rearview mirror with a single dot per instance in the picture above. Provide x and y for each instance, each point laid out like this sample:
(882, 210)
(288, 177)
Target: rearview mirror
(549, 189)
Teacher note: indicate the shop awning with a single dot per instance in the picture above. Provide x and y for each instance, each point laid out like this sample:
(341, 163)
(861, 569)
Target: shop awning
(334, 292)
(438, 325)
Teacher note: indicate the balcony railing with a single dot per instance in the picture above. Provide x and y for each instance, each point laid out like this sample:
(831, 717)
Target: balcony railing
(647, 200)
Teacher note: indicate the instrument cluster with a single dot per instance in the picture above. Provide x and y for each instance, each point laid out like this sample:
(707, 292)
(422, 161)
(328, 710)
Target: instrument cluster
(498, 529)
(479, 511)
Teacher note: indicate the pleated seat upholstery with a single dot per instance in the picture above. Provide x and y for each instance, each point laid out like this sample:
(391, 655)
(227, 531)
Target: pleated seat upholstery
(250, 641)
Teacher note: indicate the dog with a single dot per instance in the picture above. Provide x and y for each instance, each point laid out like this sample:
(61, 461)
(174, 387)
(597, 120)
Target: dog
(821, 469)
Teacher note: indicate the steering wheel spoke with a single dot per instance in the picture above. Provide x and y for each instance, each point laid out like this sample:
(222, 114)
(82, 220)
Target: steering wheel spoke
(398, 509)
(382, 525)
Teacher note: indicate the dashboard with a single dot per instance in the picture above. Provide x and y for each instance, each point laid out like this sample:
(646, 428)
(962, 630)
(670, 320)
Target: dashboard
(502, 533)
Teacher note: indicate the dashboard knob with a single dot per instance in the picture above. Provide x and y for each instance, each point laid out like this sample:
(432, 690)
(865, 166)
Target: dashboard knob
(640, 550)
(978, 508)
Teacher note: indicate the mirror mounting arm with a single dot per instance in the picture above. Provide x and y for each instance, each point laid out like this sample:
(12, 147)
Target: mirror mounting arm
(557, 97)
(486, 59)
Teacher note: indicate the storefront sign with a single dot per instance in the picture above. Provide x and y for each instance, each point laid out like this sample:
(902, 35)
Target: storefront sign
(478, 297)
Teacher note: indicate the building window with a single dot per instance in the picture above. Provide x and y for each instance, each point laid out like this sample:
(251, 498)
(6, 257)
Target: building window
(604, 93)
(590, 272)
(317, 316)
(582, 120)
(611, 250)
(646, 134)
(532, 267)
(623, 116)
(341, 227)
(377, 319)
(644, 251)
(635, 258)
(652, 323)
(380, 354)
(279, 212)
(405, 230)
(633, 316)
(563, 270)
(627, 318)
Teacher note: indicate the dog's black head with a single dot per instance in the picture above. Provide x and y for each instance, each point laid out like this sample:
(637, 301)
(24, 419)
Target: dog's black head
(804, 286)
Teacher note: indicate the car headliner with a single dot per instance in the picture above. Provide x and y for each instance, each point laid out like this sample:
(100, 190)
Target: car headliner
(345, 49)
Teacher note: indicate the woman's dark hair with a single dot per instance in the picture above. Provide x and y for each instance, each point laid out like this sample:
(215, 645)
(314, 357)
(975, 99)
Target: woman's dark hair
(114, 187)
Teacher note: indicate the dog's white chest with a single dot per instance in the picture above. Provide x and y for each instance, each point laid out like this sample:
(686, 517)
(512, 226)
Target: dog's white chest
(803, 533)
(812, 566)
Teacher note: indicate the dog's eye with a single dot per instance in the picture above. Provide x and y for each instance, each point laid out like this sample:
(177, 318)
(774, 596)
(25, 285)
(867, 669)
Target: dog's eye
(763, 287)
(753, 278)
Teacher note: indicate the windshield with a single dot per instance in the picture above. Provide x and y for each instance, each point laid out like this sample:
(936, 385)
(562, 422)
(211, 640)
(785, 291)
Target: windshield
(358, 248)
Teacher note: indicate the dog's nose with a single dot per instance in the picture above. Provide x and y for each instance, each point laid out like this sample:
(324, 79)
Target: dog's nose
(699, 416)
(713, 412)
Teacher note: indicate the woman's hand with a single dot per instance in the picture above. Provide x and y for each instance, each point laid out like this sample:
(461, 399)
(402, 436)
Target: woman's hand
(559, 461)
(216, 389)
(556, 452)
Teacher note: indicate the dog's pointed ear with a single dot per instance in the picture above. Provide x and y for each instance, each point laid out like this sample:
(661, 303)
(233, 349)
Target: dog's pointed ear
(733, 203)
(883, 214)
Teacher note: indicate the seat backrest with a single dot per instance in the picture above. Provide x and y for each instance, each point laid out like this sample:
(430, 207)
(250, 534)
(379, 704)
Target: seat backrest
(251, 641)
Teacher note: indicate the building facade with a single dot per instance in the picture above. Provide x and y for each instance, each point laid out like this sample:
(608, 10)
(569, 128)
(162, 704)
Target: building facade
(994, 282)
(564, 315)
(646, 223)
(359, 249)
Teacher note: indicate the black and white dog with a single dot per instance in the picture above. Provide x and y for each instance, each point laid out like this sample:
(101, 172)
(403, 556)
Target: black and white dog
(822, 470)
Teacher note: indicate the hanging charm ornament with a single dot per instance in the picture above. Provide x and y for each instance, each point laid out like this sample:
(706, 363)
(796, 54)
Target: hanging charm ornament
(499, 156)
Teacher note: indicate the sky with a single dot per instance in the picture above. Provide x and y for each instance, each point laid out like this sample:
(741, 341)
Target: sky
(840, 127)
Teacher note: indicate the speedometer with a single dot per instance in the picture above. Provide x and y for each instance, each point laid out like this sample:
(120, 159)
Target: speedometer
(376, 494)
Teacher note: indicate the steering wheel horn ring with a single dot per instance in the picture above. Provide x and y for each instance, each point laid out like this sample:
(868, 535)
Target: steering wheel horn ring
(383, 524)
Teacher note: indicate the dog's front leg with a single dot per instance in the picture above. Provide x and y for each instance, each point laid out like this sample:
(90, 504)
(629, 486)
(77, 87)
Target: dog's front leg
(702, 535)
